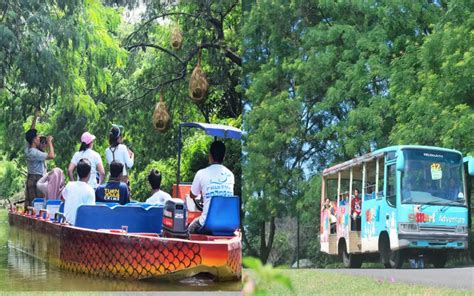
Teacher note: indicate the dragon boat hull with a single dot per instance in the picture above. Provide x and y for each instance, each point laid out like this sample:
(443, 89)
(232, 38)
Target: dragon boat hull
(113, 253)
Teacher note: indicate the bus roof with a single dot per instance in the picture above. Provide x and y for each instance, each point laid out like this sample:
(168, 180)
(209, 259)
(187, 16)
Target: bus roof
(377, 154)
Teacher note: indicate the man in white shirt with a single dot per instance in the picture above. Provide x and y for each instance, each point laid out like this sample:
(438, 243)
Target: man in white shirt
(215, 180)
(77, 193)
(159, 197)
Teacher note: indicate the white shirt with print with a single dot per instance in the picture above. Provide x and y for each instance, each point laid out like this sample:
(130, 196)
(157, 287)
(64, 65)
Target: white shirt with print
(215, 180)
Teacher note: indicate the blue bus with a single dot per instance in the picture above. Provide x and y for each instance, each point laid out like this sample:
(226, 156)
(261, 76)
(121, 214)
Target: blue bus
(395, 204)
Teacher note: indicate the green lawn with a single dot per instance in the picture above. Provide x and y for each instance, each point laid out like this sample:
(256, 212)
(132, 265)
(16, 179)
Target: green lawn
(311, 282)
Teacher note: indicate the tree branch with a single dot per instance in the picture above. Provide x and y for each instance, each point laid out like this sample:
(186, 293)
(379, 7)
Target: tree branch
(141, 45)
(129, 37)
(228, 52)
(230, 9)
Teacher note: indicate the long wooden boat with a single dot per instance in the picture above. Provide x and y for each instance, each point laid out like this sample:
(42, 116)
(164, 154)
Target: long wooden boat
(120, 254)
(99, 244)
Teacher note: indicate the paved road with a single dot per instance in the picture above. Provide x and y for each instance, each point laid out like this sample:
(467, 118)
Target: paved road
(458, 278)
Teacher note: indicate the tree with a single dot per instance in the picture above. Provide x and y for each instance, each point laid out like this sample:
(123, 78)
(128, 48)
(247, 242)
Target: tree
(85, 67)
(59, 57)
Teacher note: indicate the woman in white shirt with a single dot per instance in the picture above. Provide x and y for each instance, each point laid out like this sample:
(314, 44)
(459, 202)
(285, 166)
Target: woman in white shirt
(119, 152)
(86, 152)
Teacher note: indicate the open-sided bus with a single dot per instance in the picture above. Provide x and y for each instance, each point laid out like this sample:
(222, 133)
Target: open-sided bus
(415, 202)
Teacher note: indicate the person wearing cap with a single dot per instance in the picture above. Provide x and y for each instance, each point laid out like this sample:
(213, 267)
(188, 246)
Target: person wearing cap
(117, 151)
(86, 152)
(35, 161)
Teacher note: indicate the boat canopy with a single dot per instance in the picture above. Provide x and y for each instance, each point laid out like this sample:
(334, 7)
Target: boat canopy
(216, 130)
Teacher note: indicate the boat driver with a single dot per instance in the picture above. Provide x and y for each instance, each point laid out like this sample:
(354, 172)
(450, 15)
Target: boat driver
(215, 180)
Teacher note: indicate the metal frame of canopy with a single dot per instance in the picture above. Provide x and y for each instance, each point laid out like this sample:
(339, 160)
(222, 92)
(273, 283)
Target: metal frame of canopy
(216, 130)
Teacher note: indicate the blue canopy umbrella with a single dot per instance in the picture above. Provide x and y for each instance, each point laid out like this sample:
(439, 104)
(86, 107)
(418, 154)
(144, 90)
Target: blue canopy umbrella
(215, 130)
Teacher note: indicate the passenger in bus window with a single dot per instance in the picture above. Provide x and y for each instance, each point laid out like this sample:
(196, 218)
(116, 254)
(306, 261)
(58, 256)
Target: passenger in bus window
(356, 207)
(326, 204)
(343, 199)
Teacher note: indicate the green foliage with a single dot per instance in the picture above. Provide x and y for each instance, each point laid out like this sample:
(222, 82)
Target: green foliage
(195, 155)
(266, 276)
(11, 180)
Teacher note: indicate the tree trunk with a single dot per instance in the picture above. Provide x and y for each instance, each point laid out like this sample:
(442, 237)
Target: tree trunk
(266, 248)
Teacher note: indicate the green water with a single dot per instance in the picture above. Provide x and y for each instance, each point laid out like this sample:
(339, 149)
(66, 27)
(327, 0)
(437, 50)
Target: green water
(22, 272)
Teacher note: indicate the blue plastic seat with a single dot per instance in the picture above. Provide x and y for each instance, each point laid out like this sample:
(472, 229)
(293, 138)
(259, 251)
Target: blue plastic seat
(53, 206)
(109, 204)
(138, 204)
(38, 204)
(137, 218)
(223, 216)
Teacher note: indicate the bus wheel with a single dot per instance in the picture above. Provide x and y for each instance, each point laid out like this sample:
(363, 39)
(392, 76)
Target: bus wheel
(389, 258)
(350, 260)
(439, 259)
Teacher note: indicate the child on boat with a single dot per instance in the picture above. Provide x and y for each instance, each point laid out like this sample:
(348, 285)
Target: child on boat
(159, 197)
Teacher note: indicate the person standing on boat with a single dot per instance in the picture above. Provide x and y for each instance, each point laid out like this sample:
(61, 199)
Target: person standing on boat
(35, 161)
(119, 152)
(77, 193)
(215, 180)
(159, 197)
(85, 151)
(114, 190)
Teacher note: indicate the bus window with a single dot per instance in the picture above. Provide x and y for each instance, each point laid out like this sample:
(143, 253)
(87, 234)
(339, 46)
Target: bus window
(432, 177)
(381, 179)
(331, 188)
(391, 181)
(370, 180)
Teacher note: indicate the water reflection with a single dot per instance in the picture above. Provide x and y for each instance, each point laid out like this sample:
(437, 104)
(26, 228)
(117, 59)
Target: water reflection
(22, 272)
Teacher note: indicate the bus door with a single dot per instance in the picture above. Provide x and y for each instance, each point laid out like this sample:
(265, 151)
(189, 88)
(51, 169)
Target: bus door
(388, 199)
(469, 189)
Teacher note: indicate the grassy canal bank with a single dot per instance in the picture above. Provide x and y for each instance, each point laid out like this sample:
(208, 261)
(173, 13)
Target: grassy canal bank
(320, 282)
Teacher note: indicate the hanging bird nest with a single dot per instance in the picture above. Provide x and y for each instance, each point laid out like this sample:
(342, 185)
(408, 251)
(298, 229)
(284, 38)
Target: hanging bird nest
(198, 83)
(176, 38)
(161, 117)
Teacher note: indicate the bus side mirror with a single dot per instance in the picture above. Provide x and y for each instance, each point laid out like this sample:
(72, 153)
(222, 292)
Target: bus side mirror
(470, 166)
(400, 163)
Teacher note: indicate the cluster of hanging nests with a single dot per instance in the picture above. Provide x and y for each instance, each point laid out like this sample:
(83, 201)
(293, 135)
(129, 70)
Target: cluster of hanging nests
(198, 87)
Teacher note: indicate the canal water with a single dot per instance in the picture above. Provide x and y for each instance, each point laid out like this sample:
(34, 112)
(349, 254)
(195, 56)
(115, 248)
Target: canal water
(22, 272)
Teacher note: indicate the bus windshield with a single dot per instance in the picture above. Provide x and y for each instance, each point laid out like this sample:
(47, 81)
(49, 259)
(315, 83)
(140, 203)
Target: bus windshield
(432, 177)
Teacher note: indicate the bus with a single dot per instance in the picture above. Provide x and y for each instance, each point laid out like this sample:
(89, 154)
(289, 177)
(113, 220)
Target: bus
(414, 202)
